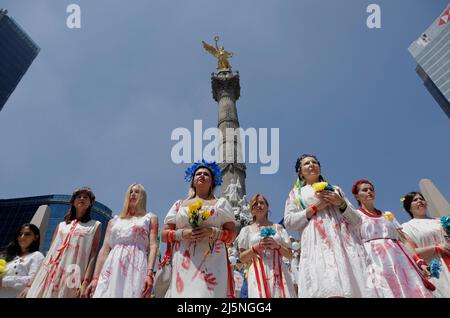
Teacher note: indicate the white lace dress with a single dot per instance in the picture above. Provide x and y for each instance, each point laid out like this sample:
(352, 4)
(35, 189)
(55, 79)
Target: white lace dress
(123, 273)
(65, 264)
(268, 275)
(429, 232)
(202, 269)
(333, 262)
(393, 273)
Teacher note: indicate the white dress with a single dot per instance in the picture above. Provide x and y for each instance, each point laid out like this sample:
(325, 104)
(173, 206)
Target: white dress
(201, 269)
(19, 272)
(65, 264)
(429, 232)
(333, 262)
(268, 272)
(393, 273)
(123, 273)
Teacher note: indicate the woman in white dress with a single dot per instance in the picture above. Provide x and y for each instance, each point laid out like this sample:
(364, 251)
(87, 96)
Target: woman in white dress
(71, 257)
(333, 260)
(392, 271)
(265, 244)
(428, 236)
(125, 263)
(200, 265)
(23, 260)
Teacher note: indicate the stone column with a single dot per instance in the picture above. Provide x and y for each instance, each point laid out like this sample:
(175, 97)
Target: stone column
(226, 91)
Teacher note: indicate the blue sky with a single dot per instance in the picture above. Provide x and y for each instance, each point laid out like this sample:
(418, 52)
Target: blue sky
(99, 103)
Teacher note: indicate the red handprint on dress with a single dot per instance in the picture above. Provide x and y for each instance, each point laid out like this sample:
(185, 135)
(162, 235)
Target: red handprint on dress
(209, 279)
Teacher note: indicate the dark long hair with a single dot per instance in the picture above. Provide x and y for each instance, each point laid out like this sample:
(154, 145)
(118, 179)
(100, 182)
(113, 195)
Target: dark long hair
(298, 167)
(408, 200)
(13, 248)
(72, 215)
(72, 212)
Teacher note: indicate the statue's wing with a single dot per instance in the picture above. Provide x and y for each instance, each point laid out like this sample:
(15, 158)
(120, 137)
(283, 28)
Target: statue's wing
(211, 49)
(227, 54)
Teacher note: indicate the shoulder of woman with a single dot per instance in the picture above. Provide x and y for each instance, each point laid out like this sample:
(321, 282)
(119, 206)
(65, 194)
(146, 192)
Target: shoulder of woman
(245, 229)
(152, 215)
(222, 202)
(37, 255)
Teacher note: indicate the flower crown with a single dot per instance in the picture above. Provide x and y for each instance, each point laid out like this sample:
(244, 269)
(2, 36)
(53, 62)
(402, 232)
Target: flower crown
(212, 166)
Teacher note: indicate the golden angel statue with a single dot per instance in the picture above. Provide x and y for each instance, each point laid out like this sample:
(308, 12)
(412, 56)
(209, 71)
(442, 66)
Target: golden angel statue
(220, 53)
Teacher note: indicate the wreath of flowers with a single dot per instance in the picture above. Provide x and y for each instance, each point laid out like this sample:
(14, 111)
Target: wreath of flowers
(212, 166)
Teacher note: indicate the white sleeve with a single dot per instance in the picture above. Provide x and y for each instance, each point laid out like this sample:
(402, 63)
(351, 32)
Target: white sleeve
(224, 209)
(350, 214)
(172, 214)
(243, 239)
(286, 241)
(294, 218)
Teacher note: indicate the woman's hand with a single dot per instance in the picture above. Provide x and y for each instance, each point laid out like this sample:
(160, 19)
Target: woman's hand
(23, 293)
(445, 248)
(81, 293)
(425, 271)
(331, 197)
(148, 285)
(269, 243)
(321, 204)
(201, 233)
(89, 292)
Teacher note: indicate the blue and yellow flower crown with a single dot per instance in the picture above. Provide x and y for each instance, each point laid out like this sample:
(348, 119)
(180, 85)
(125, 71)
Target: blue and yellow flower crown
(212, 166)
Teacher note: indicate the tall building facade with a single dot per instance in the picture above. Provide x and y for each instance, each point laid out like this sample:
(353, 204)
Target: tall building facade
(15, 212)
(432, 54)
(17, 52)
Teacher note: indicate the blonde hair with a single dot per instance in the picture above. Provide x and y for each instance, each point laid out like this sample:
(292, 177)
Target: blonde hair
(253, 202)
(141, 203)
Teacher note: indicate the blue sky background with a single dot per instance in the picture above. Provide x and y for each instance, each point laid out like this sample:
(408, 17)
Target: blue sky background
(99, 103)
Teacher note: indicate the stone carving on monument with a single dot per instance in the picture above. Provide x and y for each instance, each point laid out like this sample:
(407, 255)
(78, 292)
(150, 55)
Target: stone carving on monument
(232, 192)
(226, 91)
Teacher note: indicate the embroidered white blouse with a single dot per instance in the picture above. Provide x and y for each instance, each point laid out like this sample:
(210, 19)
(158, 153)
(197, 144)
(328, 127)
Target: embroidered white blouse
(19, 272)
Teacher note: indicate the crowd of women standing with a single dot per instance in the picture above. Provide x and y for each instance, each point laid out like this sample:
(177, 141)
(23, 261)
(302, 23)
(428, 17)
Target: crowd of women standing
(345, 251)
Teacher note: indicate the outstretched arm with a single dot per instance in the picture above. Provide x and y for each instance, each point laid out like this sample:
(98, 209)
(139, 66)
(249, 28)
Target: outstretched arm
(102, 255)
(91, 263)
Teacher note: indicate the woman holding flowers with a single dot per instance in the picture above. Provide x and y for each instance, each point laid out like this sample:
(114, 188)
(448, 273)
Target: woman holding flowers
(67, 268)
(264, 244)
(431, 239)
(21, 262)
(199, 228)
(125, 263)
(333, 260)
(392, 271)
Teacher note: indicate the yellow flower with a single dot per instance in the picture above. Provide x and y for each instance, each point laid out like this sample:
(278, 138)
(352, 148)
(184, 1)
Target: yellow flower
(389, 215)
(402, 199)
(199, 204)
(2, 267)
(206, 214)
(319, 186)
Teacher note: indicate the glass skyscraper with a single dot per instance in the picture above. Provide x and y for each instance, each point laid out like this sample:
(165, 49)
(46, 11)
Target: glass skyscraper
(15, 212)
(432, 54)
(17, 52)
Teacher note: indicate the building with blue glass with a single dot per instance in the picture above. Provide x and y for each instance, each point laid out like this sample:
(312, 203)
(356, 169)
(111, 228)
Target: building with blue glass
(15, 212)
(432, 54)
(17, 52)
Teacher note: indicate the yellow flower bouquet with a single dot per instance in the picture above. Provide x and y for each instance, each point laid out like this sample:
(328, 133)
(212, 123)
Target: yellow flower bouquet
(320, 186)
(196, 215)
(2, 267)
